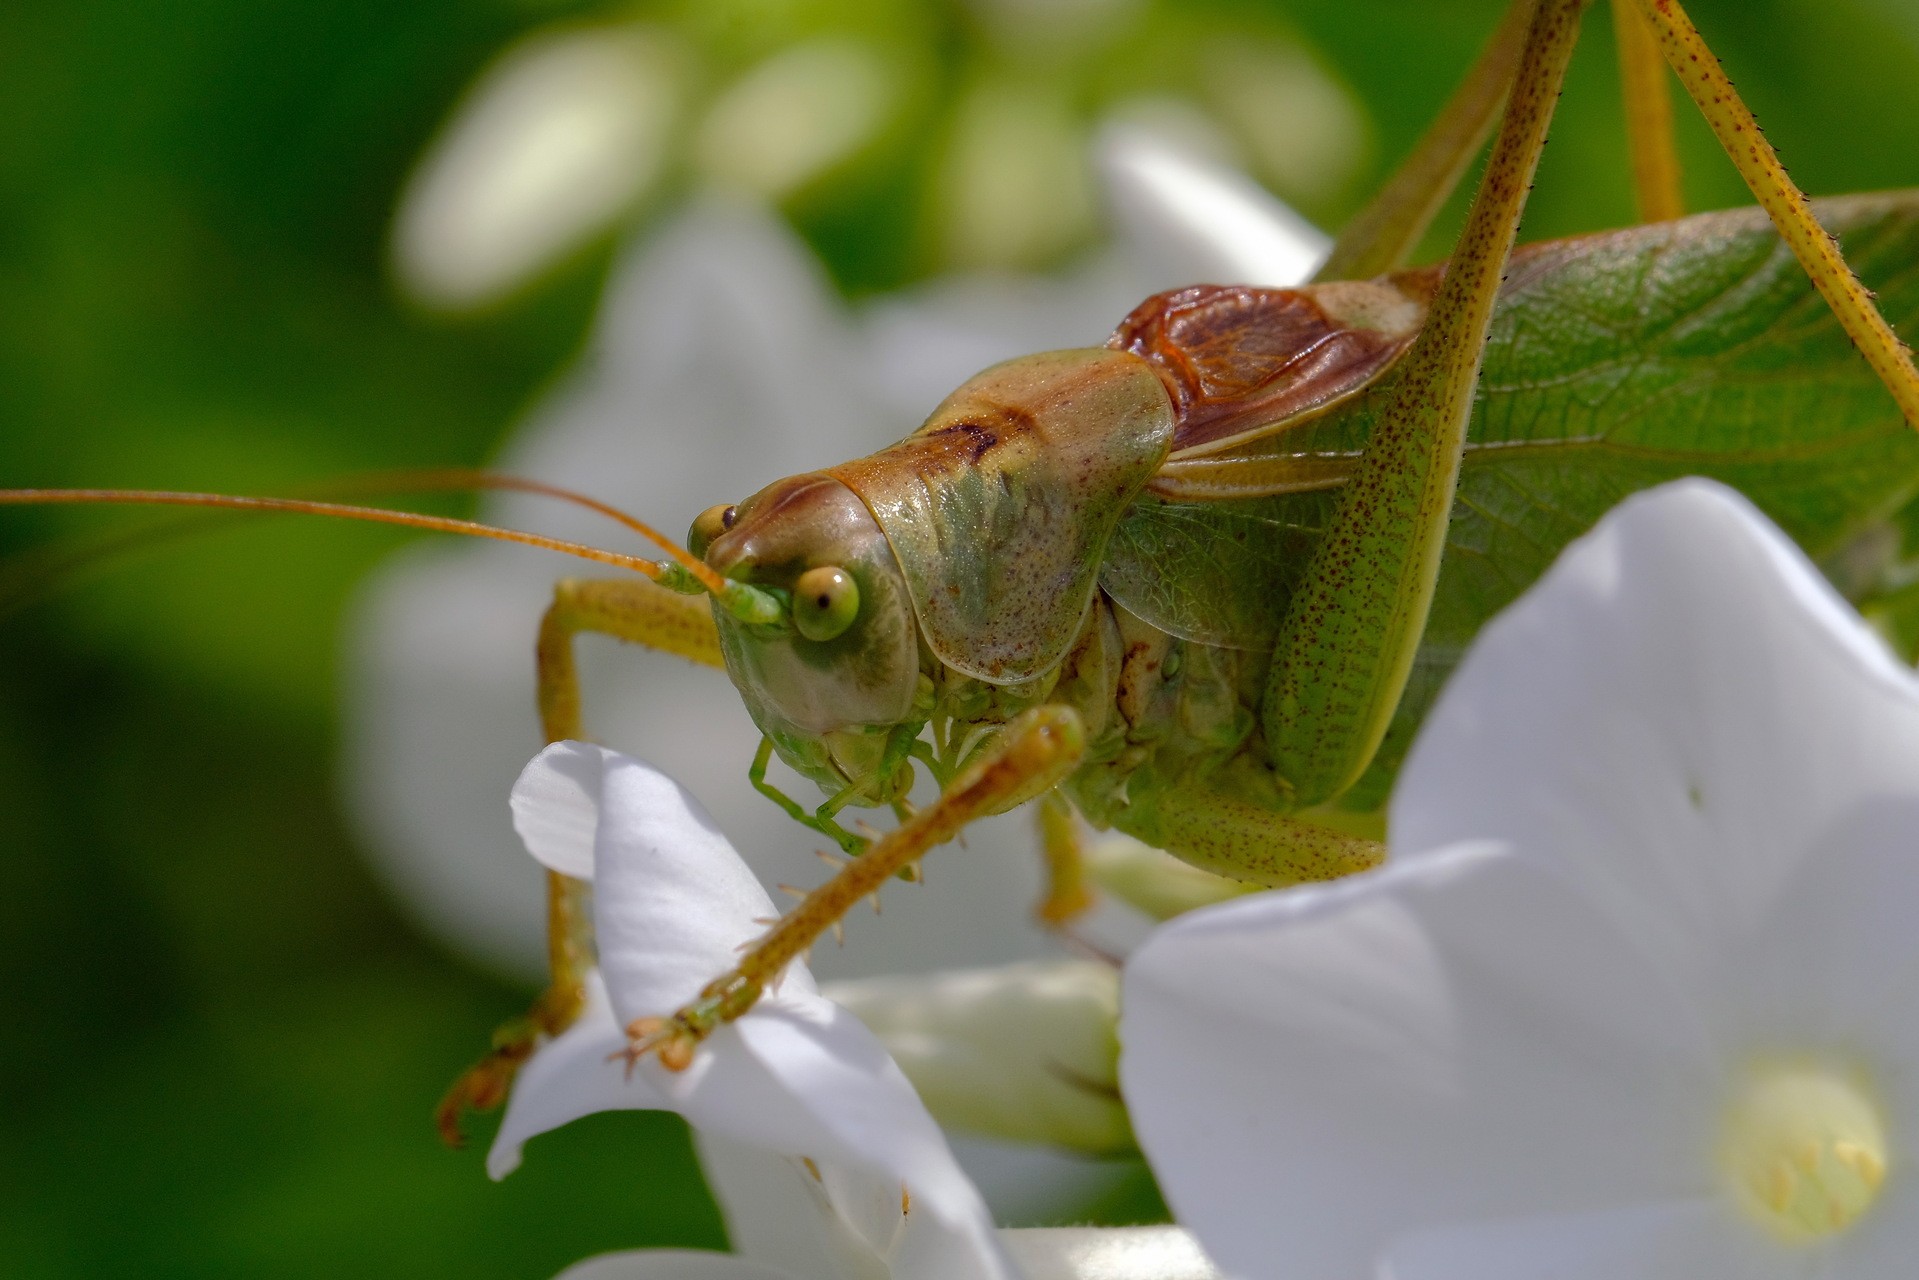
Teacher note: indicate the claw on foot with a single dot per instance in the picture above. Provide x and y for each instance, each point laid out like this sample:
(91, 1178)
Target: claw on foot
(484, 1085)
(660, 1036)
(673, 1040)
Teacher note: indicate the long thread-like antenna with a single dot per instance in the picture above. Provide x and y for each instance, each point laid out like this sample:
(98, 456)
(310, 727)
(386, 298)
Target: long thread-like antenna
(464, 478)
(377, 515)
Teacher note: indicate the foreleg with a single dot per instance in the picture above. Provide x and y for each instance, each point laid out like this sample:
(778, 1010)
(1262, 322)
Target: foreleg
(638, 612)
(1034, 752)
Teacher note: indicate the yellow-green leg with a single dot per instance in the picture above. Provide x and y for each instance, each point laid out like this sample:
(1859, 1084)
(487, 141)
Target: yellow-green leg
(1643, 89)
(1346, 646)
(1386, 233)
(1699, 71)
(1062, 844)
(638, 612)
(1033, 753)
(1245, 842)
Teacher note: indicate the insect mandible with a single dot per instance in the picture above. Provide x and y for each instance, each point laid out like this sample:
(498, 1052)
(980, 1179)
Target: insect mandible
(1199, 584)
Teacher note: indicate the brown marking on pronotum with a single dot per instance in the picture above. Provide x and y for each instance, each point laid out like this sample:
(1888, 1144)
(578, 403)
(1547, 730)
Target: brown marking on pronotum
(978, 439)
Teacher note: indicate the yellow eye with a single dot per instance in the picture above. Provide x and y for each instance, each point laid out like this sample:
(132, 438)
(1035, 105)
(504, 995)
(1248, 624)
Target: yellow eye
(708, 525)
(825, 602)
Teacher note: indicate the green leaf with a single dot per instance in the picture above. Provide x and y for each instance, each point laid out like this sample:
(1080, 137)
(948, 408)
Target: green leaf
(1616, 362)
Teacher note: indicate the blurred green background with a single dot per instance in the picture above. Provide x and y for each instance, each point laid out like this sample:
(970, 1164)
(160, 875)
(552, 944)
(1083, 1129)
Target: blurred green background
(219, 1044)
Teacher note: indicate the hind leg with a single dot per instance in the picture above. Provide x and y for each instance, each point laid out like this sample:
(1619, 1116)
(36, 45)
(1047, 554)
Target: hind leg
(1346, 646)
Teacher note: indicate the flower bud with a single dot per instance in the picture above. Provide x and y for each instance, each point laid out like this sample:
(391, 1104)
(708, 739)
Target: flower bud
(1152, 880)
(1027, 1052)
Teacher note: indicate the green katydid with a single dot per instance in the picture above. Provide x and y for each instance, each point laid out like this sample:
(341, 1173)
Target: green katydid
(1200, 584)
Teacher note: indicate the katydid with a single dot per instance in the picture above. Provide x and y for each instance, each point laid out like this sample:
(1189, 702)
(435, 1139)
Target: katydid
(1200, 584)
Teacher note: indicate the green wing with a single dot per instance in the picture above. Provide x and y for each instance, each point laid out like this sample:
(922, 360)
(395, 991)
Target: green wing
(1616, 362)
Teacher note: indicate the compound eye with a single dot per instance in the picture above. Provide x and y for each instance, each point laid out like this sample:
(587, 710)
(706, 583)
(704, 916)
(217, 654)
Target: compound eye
(708, 525)
(825, 602)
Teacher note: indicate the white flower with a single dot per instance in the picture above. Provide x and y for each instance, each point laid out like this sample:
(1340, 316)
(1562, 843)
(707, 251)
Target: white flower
(1635, 998)
(824, 1161)
(797, 1077)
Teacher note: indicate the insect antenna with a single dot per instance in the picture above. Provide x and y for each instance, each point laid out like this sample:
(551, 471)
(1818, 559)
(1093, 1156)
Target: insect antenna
(457, 478)
(448, 478)
(28, 576)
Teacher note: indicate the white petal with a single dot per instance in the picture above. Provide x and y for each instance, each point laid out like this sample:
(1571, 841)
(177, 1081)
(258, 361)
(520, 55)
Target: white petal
(804, 1078)
(1834, 969)
(568, 1077)
(1108, 1253)
(1026, 1052)
(1677, 713)
(774, 1213)
(1694, 1240)
(671, 1264)
(672, 902)
(1204, 222)
(1312, 1073)
(556, 807)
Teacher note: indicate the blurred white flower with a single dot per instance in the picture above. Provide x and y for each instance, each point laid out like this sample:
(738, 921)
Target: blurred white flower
(799, 113)
(1052, 28)
(1028, 1052)
(826, 1164)
(1633, 1000)
(1203, 220)
(721, 360)
(1308, 134)
(561, 139)
(1014, 186)
(558, 139)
